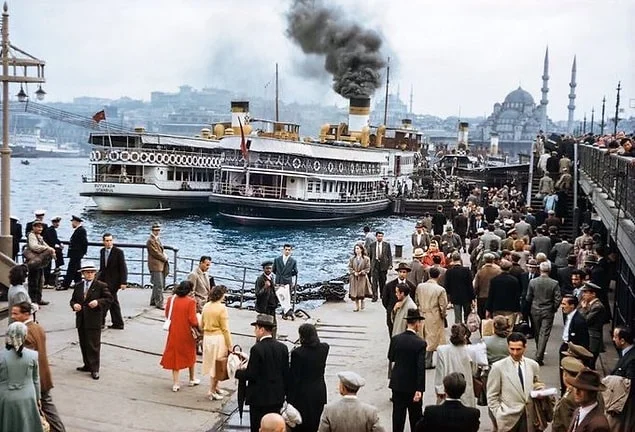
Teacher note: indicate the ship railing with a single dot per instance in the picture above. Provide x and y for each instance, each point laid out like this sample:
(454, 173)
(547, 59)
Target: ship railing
(276, 192)
(305, 165)
(114, 178)
(613, 173)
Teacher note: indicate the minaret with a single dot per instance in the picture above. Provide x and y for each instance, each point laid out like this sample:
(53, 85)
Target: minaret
(571, 106)
(545, 89)
(411, 98)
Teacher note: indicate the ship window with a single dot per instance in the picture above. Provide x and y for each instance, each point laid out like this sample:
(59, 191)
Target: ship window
(317, 186)
(170, 175)
(310, 186)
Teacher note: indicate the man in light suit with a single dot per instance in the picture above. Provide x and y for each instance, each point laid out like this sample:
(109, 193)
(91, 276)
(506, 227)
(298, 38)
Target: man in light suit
(200, 282)
(380, 262)
(349, 414)
(451, 415)
(509, 384)
(420, 238)
(157, 265)
(114, 271)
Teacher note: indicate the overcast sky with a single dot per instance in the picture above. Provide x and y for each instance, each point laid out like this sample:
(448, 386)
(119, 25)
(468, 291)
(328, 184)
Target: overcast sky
(466, 54)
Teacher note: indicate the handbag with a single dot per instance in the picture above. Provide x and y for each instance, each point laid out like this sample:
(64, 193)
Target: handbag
(36, 260)
(487, 327)
(473, 321)
(235, 360)
(46, 426)
(291, 415)
(168, 320)
(221, 369)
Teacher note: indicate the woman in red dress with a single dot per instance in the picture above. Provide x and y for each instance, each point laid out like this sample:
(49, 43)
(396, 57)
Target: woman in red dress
(180, 348)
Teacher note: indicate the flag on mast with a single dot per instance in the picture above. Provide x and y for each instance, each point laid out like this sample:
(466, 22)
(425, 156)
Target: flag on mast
(99, 116)
(243, 143)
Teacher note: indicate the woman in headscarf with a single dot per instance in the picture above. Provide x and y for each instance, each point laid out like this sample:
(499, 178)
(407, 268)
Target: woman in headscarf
(19, 383)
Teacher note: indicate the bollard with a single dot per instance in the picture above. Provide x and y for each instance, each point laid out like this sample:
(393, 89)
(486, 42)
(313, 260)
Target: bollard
(398, 251)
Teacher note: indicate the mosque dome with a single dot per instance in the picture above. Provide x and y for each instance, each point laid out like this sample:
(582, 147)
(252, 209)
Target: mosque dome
(519, 96)
(509, 114)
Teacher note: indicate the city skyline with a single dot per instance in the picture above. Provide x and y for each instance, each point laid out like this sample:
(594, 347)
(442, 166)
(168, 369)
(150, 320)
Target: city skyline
(130, 50)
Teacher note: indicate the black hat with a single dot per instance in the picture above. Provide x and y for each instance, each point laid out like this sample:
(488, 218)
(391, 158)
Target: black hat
(586, 379)
(264, 320)
(76, 218)
(267, 264)
(413, 315)
(403, 266)
(56, 219)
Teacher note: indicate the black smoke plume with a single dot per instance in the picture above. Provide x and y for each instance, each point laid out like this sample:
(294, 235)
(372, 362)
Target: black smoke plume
(352, 53)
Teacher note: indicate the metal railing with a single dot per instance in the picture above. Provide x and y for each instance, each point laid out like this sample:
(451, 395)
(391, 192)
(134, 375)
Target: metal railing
(262, 191)
(613, 173)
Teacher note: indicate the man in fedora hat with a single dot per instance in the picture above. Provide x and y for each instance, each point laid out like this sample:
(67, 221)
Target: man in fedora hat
(588, 417)
(403, 302)
(349, 414)
(593, 311)
(420, 238)
(265, 290)
(565, 406)
(89, 300)
(408, 378)
(267, 372)
(77, 248)
(157, 265)
(389, 296)
(417, 272)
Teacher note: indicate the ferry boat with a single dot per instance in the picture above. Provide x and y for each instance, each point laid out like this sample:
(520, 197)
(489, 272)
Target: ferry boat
(31, 144)
(138, 171)
(279, 178)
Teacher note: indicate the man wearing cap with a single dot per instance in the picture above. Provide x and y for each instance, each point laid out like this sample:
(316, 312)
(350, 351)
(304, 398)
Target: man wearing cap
(39, 216)
(543, 296)
(36, 245)
(380, 262)
(114, 272)
(589, 416)
(267, 372)
(265, 290)
(389, 296)
(593, 311)
(77, 248)
(157, 265)
(89, 300)
(420, 238)
(625, 368)
(50, 238)
(509, 385)
(349, 414)
(504, 294)
(432, 302)
(407, 353)
(450, 241)
(565, 406)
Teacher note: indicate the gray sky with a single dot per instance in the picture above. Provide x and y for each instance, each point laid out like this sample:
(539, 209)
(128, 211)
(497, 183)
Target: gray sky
(466, 54)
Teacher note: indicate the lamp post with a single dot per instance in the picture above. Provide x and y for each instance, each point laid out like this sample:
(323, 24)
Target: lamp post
(602, 124)
(592, 114)
(584, 125)
(617, 107)
(18, 61)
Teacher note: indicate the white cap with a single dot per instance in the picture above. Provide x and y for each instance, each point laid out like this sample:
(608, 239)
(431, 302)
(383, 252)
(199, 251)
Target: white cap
(40, 212)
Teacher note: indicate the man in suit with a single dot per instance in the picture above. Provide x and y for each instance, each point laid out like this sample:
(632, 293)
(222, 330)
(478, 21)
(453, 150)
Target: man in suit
(509, 385)
(114, 272)
(157, 265)
(408, 378)
(267, 372)
(460, 227)
(543, 296)
(389, 296)
(39, 216)
(265, 290)
(589, 416)
(565, 406)
(477, 223)
(504, 294)
(16, 234)
(51, 239)
(564, 276)
(420, 238)
(36, 340)
(285, 268)
(575, 329)
(77, 248)
(349, 414)
(625, 367)
(593, 311)
(458, 285)
(451, 415)
(523, 228)
(90, 298)
(380, 262)
(200, 282)
(438, 220)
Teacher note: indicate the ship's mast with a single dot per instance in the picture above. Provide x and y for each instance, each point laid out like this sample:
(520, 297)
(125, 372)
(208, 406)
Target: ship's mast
(387, 88)
(277, 108)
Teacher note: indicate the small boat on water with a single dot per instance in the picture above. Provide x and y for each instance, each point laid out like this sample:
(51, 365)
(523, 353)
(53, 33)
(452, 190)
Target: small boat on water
(25, 162)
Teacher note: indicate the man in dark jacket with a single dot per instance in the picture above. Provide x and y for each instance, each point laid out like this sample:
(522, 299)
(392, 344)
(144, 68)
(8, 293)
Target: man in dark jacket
(625, 367)
(408, 378)
(438, 220)
(114, 271)
(460, 227)
(380, 256)
(553, 165)
(78, 246)
(285, 267)
(267, 372)
(265, 290)
(16, 233)
(389, 297)
(458, 285)
(575, 329)
(50, 238)
(90, 298)
(451, 415)
(504, 294)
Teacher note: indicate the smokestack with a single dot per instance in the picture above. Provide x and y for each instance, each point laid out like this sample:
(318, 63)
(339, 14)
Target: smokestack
(493, 144)
(406, 123)
(358, 113)
(240, 109)
(463, 130)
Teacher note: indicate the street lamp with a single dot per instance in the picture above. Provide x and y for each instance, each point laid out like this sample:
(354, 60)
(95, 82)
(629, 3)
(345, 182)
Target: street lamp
(18, 60)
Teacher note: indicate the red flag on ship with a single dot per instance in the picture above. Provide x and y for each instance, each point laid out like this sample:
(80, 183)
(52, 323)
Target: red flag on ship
(99, 116)
(243, 143)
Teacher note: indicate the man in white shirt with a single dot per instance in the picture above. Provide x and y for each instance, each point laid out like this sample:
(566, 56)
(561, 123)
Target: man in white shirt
(589, 417)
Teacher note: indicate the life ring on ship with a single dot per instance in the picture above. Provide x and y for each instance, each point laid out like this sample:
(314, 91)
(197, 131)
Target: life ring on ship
(125, 156)
(189, 160)
(171, 159)
(177, 159)
(92, 156)
(97, 155)
(340, 167)
(143, 158)
(152, 158)
(317, 165)
(296, 163)
(113, 156)
(331, 167)
(134, 157)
